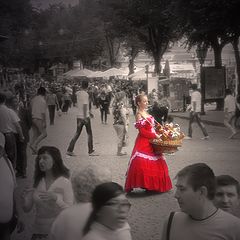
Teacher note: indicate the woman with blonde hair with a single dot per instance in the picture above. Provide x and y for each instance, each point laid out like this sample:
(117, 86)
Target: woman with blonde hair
(146, 170)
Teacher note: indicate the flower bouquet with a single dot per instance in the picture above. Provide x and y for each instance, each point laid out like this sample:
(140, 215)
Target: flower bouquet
(170, 138)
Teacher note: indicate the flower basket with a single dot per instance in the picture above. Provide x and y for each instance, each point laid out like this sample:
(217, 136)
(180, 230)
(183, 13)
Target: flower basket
(167, 146)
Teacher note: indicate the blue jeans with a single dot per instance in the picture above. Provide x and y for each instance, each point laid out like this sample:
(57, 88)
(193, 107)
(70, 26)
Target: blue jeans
(80, 123)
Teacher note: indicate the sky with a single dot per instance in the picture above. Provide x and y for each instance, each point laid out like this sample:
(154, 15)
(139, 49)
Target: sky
(45, 3)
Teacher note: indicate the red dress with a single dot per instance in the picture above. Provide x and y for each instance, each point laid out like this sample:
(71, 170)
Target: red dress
(146, 169)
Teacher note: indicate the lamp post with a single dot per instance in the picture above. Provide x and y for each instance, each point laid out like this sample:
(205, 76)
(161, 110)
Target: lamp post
(201, 52)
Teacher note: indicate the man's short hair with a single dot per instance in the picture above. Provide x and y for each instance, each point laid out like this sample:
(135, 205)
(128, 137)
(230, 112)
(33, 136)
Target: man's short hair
(41, 91)
(194, 86)
(228, 91)
(2, 98)
(227, 180)
(200, 174)
(84, 84)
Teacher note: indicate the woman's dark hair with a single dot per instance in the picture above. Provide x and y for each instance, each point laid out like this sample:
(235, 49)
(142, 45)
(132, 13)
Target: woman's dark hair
(100, 196)
(58, 169)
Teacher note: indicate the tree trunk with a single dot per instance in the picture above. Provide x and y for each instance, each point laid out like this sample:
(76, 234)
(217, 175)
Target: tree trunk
(218, 64)
(110, 48)
(237, 58)
(132, 57)
(217, 55)
(157, 59)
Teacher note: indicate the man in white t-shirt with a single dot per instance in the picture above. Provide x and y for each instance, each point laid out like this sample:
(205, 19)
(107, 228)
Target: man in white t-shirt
(39, 124)
(195, 109)
(83, 119)
(199, 218)
(229, 112)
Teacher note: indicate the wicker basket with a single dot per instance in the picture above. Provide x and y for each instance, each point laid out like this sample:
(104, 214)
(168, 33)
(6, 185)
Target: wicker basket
(169, 146)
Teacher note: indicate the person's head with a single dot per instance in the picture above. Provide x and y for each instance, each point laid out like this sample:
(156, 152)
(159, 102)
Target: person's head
(86, 179)
(195, 186)
(84, 84)
(194, 86)
(170, 118)
(49, 159)
(2, 98)
(41, 91)
(110, 206)
(141, 101)
(228, 91)
(227, 194)
(13, 102)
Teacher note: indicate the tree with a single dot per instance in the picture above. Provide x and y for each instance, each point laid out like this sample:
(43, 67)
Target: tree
(16, 17)
(154, 24)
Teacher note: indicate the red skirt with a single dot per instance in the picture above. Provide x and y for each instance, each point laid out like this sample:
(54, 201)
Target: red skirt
(148, 172)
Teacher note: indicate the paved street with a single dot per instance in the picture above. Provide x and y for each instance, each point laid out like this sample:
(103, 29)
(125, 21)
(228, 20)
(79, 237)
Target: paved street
(148, 211)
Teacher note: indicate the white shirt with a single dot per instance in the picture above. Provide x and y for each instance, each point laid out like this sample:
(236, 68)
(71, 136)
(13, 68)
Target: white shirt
(230, 103)
(7, 186)
(70, 222)
(196, 97)
(100, 232)
(39, 107)
(7, 119)
(220, 226)
(82, 99)
(46, 212)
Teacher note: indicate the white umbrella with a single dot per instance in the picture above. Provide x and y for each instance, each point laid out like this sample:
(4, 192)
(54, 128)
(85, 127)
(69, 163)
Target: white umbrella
(139, 75)
(81, 73)
(113, 72)
(94, 74)
(70, 72)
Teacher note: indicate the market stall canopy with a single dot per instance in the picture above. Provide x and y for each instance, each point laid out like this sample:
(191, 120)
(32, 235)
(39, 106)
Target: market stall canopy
(94, 74)
(77, 73)
(139, 75)
(113, 72)
(69, 73)
(80, 73)
(181, 68)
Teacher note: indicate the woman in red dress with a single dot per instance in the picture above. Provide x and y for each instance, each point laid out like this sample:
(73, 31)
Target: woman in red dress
(146, 169)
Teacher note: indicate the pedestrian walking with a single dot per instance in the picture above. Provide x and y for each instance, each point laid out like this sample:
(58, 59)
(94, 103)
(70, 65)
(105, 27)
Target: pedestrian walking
(121, 121)
(146, 170)
(108, 219)
(229, 112)
(83, 119)
(104, 101)
(24, 113)
(10, 127)
(52, 102)
(39, 123)
(195, 109)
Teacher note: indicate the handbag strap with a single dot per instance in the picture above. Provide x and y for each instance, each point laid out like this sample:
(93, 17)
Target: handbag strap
(169, 224)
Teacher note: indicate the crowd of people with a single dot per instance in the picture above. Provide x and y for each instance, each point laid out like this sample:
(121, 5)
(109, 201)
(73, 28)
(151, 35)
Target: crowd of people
(86, 204)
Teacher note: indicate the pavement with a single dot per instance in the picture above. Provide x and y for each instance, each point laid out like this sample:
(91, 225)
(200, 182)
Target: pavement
(211, 117)
(148, 212)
